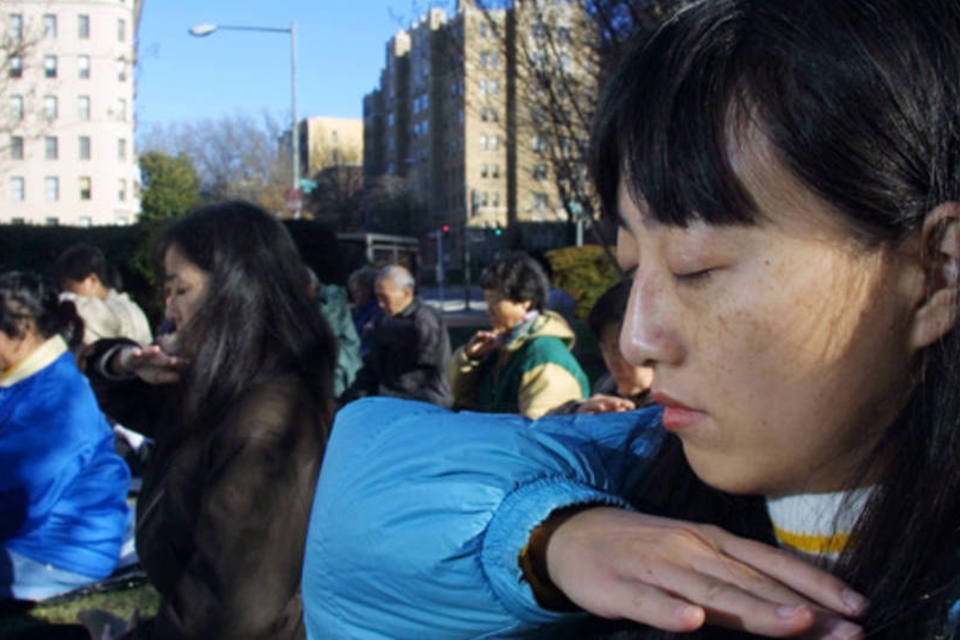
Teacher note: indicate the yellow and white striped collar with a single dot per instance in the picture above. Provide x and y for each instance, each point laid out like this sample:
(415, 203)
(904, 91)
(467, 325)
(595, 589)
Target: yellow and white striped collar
(42, 357)
(817, 524)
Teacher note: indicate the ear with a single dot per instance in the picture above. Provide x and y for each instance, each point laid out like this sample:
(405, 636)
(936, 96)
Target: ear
(936, 313)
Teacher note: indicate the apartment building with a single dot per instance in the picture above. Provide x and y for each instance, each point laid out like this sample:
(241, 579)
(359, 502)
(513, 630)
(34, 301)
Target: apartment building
(458, 116)
(330, 142)
(67, 124)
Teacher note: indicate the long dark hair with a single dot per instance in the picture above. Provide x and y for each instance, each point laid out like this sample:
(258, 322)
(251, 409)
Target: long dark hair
(860, 99)
(256, 319)
(25, 297)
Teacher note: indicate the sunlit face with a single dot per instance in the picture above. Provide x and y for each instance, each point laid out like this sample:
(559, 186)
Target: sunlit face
(631, 379)
(392, 297)
(14, 350)
(9, 350)
(184, 288)
(780, 350)
(504, 313)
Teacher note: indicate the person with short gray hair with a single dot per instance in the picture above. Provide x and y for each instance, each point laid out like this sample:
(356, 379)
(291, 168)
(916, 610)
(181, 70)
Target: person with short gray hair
(411, 346)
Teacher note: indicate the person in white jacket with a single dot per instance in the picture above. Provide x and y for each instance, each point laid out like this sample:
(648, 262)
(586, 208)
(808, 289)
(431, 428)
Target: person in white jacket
(81, 271)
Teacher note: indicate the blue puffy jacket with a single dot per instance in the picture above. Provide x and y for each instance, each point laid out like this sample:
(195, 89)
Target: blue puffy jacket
(395, 469)
(63, 488)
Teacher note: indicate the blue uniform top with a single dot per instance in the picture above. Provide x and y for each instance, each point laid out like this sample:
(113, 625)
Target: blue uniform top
(63, 488)
(420, 514)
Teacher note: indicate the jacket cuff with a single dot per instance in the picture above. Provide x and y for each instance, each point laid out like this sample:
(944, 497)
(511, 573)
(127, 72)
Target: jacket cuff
(509, 531)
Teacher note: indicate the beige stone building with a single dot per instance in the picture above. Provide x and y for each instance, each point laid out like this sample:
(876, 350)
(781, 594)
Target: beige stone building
(330, 142)
(455, 116)
(67, 118)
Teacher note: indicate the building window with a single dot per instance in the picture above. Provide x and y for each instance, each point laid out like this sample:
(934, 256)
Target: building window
(121, 29)
(50, 66)
(122, 221)
(16, 147)
(51, 148)
(50, 107)
(539, 143)
(121, 69)
(16, 66)
(495, 199)
(52, 221)
(84, 147)
(49, 25)
(484, 171)
(83, 107)
(18, 220)
(539, 31)
(121, 149)
(16, 26)
(86, 188)
(540, 172)
(86, 221)
(489, 87)
(51, 185)
(83, 67)
(83, 26)
(541, 201)
(495, 171)
(121, 109)
(122, 190)
(17, 189)
(16, 107)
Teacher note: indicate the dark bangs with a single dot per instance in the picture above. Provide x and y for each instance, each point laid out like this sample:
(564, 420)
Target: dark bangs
(664, 121)
(863, 116)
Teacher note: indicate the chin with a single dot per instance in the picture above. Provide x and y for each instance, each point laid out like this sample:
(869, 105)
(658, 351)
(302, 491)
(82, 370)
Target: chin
(725, 474)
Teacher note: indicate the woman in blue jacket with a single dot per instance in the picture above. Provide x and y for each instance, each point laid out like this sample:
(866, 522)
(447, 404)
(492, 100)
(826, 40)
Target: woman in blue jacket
(63, 510)
(786, 175)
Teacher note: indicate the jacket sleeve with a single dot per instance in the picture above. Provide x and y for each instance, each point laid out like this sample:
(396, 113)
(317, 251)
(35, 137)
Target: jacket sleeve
(546, 387)
(464, 374)
(38, 470)
(420, 514)
(247, 550)
(131, 402)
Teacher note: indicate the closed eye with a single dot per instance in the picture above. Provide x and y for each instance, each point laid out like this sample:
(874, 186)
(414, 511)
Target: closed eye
(692, 277)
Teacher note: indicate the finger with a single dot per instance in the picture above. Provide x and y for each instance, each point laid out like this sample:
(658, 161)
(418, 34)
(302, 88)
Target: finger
(724, 602)
(830, 627)
(799, 575)
(649, 605)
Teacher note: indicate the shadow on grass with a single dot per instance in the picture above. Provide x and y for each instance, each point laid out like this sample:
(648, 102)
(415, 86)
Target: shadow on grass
(21, 620)
(18, 622)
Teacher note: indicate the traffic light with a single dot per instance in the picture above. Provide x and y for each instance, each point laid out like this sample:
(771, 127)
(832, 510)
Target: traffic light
(498, 231)
(445, 228)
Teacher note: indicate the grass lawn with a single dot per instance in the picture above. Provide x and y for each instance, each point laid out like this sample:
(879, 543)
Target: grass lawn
(122, 602)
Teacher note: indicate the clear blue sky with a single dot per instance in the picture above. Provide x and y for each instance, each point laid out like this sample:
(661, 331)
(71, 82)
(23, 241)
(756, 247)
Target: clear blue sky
(340, 51)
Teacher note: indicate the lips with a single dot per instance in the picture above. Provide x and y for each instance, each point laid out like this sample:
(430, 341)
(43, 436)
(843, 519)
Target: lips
(676, 415)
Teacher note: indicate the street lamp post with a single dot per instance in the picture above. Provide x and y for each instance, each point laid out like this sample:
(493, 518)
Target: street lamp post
(202, 30)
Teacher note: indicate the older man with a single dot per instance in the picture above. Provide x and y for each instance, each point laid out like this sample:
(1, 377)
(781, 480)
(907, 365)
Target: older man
(411, 347)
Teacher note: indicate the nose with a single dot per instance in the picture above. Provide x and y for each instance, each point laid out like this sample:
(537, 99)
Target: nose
(649, 336)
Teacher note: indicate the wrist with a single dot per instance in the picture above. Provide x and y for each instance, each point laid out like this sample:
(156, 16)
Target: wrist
(533, 561)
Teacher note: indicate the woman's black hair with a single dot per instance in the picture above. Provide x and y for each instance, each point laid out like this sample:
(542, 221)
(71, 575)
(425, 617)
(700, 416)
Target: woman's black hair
(860, 100)
(25, 297)
(518, 278)
(256, 318)
(609, 309)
